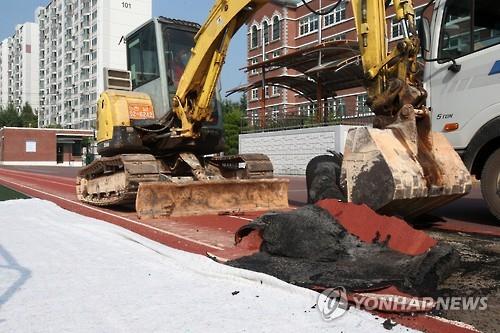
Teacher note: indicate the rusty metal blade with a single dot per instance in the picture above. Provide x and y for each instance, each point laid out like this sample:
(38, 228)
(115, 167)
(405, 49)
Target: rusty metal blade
(161, 199)
(380, 171)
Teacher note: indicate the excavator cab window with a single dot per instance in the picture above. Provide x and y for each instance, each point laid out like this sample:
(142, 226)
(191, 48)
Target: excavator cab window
(142, 56)
(177, 44)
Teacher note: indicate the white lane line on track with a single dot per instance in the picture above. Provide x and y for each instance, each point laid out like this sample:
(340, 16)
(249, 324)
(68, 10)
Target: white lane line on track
(118, 216)
(240, 218)
(454, 323)
(31, 173)
(14, 173)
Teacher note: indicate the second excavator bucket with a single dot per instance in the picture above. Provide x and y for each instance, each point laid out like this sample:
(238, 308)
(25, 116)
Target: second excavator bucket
(163, 199)
(402, 170)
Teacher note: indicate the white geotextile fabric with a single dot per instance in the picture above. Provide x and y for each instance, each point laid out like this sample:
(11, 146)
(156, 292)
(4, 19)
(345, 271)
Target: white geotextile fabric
(63, 272)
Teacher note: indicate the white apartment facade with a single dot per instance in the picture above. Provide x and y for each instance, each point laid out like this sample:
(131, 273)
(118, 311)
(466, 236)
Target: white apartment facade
(19, 67)
(4, 69)
(78, 39)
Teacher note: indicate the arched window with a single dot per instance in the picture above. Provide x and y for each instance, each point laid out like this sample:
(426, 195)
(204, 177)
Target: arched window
(254, 37)
(276, 28)
(265, 29)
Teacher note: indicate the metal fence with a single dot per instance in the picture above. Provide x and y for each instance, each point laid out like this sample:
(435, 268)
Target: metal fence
(275, 119)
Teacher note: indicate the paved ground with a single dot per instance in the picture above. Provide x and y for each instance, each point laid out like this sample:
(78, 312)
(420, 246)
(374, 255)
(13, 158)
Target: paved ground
(477, 276)
(477, 236)
(471, 208)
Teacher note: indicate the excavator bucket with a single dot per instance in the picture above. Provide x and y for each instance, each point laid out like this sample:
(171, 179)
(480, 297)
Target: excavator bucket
(402, 170)
(163, 199)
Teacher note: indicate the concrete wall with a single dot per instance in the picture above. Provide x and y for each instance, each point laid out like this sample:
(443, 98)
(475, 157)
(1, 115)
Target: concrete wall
(291, 150)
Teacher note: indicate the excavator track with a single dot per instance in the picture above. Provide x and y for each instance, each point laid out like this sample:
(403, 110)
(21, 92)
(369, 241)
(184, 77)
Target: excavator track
(216, 184)
(115, 180)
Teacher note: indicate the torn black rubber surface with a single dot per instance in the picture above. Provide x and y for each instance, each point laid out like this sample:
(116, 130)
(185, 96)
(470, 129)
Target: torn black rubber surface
(309, 248)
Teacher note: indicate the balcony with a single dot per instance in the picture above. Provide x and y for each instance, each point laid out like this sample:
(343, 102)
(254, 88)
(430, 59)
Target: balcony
(85, 9)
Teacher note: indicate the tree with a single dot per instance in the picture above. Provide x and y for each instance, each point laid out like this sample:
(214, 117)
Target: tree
(233, 122)
(10, 118)
(243, 102)
(28, 118)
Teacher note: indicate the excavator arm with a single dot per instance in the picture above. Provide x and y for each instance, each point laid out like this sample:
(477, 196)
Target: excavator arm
(192, 101)
(387, 74)
(391, 78)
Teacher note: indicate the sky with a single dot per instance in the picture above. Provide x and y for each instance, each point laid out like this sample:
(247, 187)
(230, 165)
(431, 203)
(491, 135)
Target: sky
(20, 11)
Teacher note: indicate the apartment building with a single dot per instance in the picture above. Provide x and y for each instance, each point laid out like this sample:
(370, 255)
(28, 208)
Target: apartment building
(19, 67)
(78, 39)
(279, 30)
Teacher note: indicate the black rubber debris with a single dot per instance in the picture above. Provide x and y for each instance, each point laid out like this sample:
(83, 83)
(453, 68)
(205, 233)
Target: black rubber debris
(309, 248)
(389, 324)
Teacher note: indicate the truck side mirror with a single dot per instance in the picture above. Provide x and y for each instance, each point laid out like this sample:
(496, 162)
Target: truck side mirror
(423, 29)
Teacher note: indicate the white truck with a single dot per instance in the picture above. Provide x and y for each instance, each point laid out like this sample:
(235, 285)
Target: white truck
(462, 77)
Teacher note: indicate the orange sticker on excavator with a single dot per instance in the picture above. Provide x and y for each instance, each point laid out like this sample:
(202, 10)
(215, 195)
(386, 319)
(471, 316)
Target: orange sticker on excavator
(140, 111)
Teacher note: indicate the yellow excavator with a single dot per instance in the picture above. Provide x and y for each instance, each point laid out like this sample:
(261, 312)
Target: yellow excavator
(159, 126)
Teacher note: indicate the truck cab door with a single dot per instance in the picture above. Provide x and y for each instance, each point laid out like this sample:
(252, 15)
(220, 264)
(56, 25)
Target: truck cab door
(469, 32)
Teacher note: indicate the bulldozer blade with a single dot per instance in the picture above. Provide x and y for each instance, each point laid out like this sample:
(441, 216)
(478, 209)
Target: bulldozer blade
(163, 199)
(381, 170)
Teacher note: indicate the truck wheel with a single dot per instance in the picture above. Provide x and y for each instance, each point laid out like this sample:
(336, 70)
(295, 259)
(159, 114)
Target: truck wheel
(322, 178)
(490, 183)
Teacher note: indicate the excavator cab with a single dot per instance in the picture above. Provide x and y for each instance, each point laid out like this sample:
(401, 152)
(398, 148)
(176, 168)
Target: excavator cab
(157, 54)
